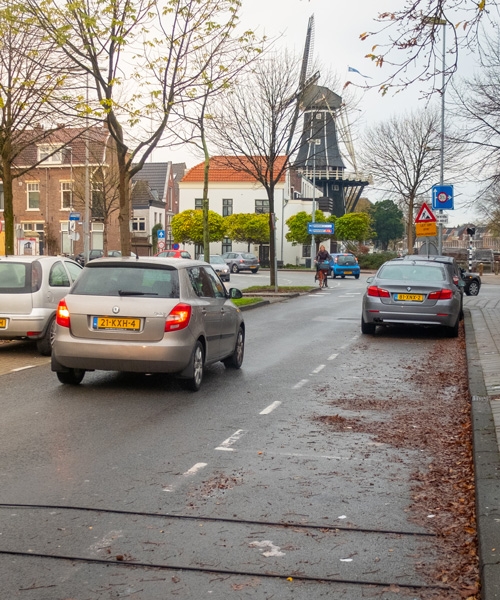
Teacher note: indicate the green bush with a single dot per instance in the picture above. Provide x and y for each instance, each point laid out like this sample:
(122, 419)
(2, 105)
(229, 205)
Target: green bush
(374, 261)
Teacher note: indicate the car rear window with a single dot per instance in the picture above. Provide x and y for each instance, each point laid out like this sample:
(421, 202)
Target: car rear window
(413, 272)
(346, 260)
(249, 256)
(127, 280)
(20, 278)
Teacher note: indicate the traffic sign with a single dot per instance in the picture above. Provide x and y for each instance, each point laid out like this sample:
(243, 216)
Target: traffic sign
(425, 215)
(442, 197)
(160, 234)
(74, 216)
(161, 245)
(318, 228)
(427, 229)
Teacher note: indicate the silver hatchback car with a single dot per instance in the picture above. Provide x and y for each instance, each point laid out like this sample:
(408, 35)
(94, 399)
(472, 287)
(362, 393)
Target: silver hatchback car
(147, 315)
(412, 292)
(30, 290)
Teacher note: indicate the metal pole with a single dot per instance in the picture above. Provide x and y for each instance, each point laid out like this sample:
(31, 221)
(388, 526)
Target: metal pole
(313, 239)
(86, 224)
(441, 175)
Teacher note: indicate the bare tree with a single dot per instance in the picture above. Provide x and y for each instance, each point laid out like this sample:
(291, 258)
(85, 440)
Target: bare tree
(34, 78)
(139, 56)
(255, 127)
(401, 155)
(407, 43)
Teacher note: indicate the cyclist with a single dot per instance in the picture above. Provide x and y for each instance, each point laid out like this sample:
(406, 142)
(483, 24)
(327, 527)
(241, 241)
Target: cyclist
(321, 258)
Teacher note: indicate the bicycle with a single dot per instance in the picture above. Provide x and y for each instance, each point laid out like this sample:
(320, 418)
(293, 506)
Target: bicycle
(322, 276)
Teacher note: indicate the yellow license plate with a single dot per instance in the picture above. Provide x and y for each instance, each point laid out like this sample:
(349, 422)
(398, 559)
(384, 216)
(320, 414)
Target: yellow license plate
(122, 323)
(347, 272)
(409, 297)
(3, 323)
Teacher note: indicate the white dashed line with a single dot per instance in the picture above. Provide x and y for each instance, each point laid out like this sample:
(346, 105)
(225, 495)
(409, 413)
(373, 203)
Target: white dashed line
(332, 356)
(226, 444)
(270, 408)
(189, 473)
(300, 384)
(318, 369)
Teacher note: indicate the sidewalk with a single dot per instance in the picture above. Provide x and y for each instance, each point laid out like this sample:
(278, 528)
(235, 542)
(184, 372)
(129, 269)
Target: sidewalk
(482, 332)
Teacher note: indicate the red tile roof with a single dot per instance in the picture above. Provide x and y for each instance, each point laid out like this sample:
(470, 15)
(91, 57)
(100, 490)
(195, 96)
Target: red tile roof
(221, 170)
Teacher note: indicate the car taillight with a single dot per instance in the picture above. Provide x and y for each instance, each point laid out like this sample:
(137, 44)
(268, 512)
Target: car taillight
(377, 292)
(441, 295)
(62, 314)
(178, 317)
(455, 279)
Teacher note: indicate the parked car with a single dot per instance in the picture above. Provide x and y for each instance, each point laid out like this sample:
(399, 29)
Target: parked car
(174, 254)
(219, 265)
(119, 253)
(472, 283)
(153, 315)
(80, 258)
(412, 292)
(30, 290)
(343, 264)
(469, 283)
(241, 261)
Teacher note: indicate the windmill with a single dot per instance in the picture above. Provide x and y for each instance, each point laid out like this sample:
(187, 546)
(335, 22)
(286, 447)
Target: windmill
(319, 158)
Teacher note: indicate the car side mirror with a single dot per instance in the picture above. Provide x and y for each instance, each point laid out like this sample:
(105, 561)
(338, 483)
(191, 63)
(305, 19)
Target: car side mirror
(369, 279)
(235, 294)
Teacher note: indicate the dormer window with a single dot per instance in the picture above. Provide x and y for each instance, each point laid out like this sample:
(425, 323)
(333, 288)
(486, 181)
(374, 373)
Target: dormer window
(51, 154)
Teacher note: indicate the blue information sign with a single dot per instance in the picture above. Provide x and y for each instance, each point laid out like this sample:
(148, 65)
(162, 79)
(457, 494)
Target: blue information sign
(318, 228)
(442, 197)
(160, 234)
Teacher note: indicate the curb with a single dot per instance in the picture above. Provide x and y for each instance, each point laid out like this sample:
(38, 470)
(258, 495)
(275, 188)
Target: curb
(486, 457)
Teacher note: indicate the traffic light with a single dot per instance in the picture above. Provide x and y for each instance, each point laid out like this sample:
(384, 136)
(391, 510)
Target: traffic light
(471, 230)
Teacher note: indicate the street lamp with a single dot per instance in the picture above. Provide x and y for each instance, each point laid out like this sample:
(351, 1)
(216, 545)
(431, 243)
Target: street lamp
(313, 142)
(437, 21)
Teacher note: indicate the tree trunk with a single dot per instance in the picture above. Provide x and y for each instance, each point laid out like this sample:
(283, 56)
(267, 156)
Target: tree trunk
(8, 212)
(409, 228)
(205, 204)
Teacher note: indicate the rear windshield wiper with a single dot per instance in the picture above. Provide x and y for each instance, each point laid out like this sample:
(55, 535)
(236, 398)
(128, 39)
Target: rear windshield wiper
(130, 293)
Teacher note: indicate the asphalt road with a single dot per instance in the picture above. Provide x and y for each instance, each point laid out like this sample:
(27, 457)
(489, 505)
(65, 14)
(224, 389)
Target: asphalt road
(129, 486)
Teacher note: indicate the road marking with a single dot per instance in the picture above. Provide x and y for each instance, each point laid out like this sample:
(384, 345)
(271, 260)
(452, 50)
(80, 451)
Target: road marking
(332, 356)
(226, 444)
(190, 472)
(270, 408)
(22, 368)
(300, 384)
(318, 369)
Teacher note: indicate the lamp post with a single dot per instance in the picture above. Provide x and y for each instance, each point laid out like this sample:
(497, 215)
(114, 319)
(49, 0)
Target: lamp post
(312, 143)
(437, 21)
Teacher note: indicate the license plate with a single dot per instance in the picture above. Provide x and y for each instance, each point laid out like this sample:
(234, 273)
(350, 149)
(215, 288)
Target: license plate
(3, 323)
(409, 297)
(120, 323)
(347, 272)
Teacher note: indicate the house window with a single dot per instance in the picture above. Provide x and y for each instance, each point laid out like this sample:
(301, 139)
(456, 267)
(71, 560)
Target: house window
(66, 195)
(198, 250)
(306, 251)
(198, 203)
(139, 224)
(227, 245)
(50, 154)
(98, 205)
(33, 190)
(1, 197)
(262, 206)
(66, 242)
(227, 207)
(97, 236)
(32, 227)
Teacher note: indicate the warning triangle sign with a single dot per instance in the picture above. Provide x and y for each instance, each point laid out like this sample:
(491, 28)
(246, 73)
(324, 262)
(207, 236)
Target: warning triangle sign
(425, 215)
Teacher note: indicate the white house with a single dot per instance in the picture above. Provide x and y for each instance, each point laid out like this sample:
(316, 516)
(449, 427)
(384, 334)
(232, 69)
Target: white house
(232, 191)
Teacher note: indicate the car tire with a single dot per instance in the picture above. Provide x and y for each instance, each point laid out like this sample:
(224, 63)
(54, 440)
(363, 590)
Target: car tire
(255, 271)
(453, 331)
(71, 377)
(343, 276)
(473, 289)
(234, 269)
(236, 359)
(193, 383)
(334, 276)
(356, 276)
(367, 328)
(44, 345)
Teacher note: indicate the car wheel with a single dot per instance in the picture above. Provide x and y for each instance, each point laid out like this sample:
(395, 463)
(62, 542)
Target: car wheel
(367, 328)
(473, 289)
(234, 268)
(255, 271)
(356, 276)
(453, 331)
(193, 383)
(343, 276)
(44, 345)
(71, 377)
(334, 276)
(236, 359)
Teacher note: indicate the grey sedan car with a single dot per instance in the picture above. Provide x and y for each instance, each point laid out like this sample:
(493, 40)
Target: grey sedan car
(412, 292)
(147, 315)
(241, 261)
(30, 290)
(219, 265)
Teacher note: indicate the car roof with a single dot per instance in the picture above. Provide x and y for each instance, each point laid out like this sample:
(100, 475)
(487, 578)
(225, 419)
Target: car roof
(145, 261)
(428, 258)
(33, 257)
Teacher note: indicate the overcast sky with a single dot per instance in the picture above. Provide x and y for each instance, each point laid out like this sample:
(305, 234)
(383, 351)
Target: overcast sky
(337, 46)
